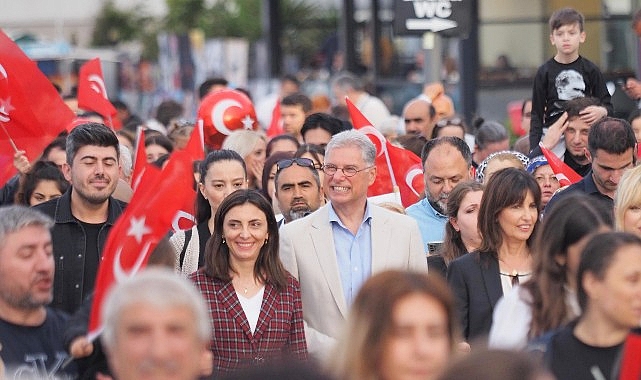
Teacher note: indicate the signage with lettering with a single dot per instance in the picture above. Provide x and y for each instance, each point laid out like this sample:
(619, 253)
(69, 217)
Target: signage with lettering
(450, 18)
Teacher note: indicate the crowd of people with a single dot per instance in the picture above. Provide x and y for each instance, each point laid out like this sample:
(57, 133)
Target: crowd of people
(499, 271)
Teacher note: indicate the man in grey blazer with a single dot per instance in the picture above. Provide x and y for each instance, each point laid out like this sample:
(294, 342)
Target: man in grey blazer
(335, 249)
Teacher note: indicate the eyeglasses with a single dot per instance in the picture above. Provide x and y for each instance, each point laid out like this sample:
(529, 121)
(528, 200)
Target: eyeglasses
(348, 171)
(300, 161)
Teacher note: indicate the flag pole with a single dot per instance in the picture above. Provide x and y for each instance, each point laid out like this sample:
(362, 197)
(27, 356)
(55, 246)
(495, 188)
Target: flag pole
(13, 144)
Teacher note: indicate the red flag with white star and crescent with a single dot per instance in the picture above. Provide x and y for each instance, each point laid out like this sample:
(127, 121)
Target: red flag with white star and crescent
(92, 93)
(395, 166)
(32, 112)
(150, 214)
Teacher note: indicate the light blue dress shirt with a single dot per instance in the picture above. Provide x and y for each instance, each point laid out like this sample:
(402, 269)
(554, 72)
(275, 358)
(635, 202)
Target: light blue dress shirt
(430, 222)
(353, 253)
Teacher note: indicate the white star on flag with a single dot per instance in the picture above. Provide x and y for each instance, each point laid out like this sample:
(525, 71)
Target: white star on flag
(248, 122)
(138, 228)
(6, 107)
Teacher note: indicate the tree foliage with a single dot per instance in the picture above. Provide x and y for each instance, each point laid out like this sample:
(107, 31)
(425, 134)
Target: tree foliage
(114, 25)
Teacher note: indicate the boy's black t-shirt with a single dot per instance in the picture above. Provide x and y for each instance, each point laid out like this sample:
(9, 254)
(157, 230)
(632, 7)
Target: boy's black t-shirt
(555, 83)
(36, 352)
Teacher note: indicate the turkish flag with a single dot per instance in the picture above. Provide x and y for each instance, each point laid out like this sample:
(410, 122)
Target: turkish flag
(631, 358)
(196, 145)
(396, 167)
(275, 126)
(32, 112)
(563, 172)
(147, 219)
(92, 92)
(195, 149)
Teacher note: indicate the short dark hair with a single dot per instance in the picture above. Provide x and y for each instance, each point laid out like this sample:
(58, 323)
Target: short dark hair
(456, 142)
(612, 135)
(59, 142)
(298, 100)
(167, 110)
(505, 188)
(311, 169)
(90, 134)
(268, 267)
(566, 16)
(574, 106)
(597, 257)
(329, 123)
(204, 88)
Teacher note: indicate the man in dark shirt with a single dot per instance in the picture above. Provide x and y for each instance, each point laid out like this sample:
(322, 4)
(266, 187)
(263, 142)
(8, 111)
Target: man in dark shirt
(571, 130)
(31, 333)
(611, 150)
(85, 213)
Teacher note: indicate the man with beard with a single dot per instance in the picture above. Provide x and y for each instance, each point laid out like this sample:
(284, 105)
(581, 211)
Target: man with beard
(573, 129)
(298, 188)
(30, 332)
(446, 162)
(611, 151)
(85, 213)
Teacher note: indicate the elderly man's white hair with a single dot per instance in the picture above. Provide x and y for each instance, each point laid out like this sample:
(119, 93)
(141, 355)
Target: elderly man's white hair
(158, 287)
(126, 161)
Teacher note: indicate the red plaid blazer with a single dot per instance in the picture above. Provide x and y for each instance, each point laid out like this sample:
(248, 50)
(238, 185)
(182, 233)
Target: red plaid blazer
(279, 332)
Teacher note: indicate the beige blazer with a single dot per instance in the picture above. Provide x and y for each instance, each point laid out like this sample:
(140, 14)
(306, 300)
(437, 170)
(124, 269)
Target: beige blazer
(308, 253)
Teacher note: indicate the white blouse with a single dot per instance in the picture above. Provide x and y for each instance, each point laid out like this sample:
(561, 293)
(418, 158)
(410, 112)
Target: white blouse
(251, 307)
(512, 318)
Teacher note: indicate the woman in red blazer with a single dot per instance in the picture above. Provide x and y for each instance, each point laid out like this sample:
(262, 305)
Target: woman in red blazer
(254, 303)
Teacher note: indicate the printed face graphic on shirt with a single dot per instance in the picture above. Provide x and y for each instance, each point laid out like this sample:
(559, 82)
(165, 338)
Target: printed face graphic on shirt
(570, 85)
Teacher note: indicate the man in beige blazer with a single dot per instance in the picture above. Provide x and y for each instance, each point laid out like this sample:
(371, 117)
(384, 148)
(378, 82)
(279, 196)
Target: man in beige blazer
(333, 250)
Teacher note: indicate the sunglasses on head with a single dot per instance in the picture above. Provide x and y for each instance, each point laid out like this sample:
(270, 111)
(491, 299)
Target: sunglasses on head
(300, 161)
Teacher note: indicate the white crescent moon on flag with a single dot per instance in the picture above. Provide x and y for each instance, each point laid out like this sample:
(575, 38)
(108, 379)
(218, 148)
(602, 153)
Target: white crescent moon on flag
(121, 274)
(369, 130)
(181, 215)
(98, 85)
(218, 111)
(3, 72)
(409, 178)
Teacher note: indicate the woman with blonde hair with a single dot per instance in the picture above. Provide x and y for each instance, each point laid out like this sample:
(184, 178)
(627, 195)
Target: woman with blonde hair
(627, 202)
(385, 334)
(252, 147)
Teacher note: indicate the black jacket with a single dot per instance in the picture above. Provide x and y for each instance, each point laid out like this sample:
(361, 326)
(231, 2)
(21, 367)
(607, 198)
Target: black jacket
(69, 249)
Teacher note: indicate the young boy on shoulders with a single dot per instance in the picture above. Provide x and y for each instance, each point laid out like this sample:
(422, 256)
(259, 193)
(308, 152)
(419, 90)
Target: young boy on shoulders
(566, 76)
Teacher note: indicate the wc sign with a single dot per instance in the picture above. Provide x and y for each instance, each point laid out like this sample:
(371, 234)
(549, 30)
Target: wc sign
(449, 18)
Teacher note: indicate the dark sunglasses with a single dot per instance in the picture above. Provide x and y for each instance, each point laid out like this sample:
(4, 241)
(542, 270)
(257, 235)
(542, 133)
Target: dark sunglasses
(300, 161)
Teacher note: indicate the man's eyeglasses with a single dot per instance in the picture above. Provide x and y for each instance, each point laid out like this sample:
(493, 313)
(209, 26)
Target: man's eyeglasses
(348, 171)
(300, 161)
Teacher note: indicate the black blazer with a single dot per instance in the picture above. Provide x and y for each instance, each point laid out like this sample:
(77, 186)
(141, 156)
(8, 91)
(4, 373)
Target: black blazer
(476, 283)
